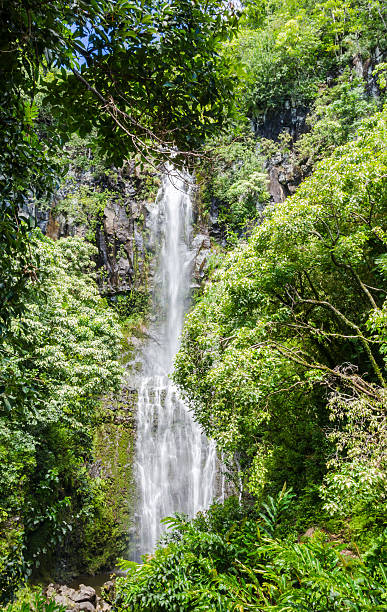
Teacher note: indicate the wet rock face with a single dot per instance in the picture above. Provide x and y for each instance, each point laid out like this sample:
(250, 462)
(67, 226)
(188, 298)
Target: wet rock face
(214, 227)
(364, 69)
(76, 600)
(291, 119)
(121, 230)
(201, 247)
(284, 177)
(118, 230)
(121, 251)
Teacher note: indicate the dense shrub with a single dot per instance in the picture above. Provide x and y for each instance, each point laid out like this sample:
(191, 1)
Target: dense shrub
(228, 559)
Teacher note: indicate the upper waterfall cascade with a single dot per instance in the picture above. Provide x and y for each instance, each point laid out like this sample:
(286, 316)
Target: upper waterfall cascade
(175, 463)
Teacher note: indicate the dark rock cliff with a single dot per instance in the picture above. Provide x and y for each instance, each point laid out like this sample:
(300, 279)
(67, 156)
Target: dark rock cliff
(118, 226)
(284, 172)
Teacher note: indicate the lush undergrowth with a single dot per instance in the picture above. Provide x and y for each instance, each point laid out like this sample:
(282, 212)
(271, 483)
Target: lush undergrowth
(233, 558)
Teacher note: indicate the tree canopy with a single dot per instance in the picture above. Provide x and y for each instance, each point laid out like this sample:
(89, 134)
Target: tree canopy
(147, 77)
(296, 309)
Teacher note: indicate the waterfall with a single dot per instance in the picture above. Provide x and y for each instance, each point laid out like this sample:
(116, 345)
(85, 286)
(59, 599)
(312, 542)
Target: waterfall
(175, 463)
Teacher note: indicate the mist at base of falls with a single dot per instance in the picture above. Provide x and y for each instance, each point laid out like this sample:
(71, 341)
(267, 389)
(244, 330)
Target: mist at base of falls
(175, 463)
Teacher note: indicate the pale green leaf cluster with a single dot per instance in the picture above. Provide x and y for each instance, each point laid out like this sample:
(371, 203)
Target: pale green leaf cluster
(57, 360)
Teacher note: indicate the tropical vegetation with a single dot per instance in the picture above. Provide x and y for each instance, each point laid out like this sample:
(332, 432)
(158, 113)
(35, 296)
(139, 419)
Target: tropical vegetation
(283, 358)
(283, 354)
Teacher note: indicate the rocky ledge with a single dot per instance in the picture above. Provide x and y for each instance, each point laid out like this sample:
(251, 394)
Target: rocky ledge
(83, 598)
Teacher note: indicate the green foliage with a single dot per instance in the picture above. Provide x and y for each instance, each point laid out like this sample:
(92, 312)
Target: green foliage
(287, 311)
(153, 72)
(33, 602)
(358, 469)
(351, 27)
(315, 576)
(289, 48)
(282, 62)
(380, 73)
(131, 305)
(222, 560)
(160, 57)
(56, 362)
(234, 178)
(336, 118)
(274, 508)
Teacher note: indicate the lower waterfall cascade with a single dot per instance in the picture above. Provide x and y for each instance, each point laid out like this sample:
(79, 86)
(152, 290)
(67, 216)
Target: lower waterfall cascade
(176, 464)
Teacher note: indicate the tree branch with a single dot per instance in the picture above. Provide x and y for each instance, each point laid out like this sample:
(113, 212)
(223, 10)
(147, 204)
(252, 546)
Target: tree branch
(352, 325)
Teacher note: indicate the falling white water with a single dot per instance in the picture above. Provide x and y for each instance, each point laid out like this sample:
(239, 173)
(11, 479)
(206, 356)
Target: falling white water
(175, 463)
